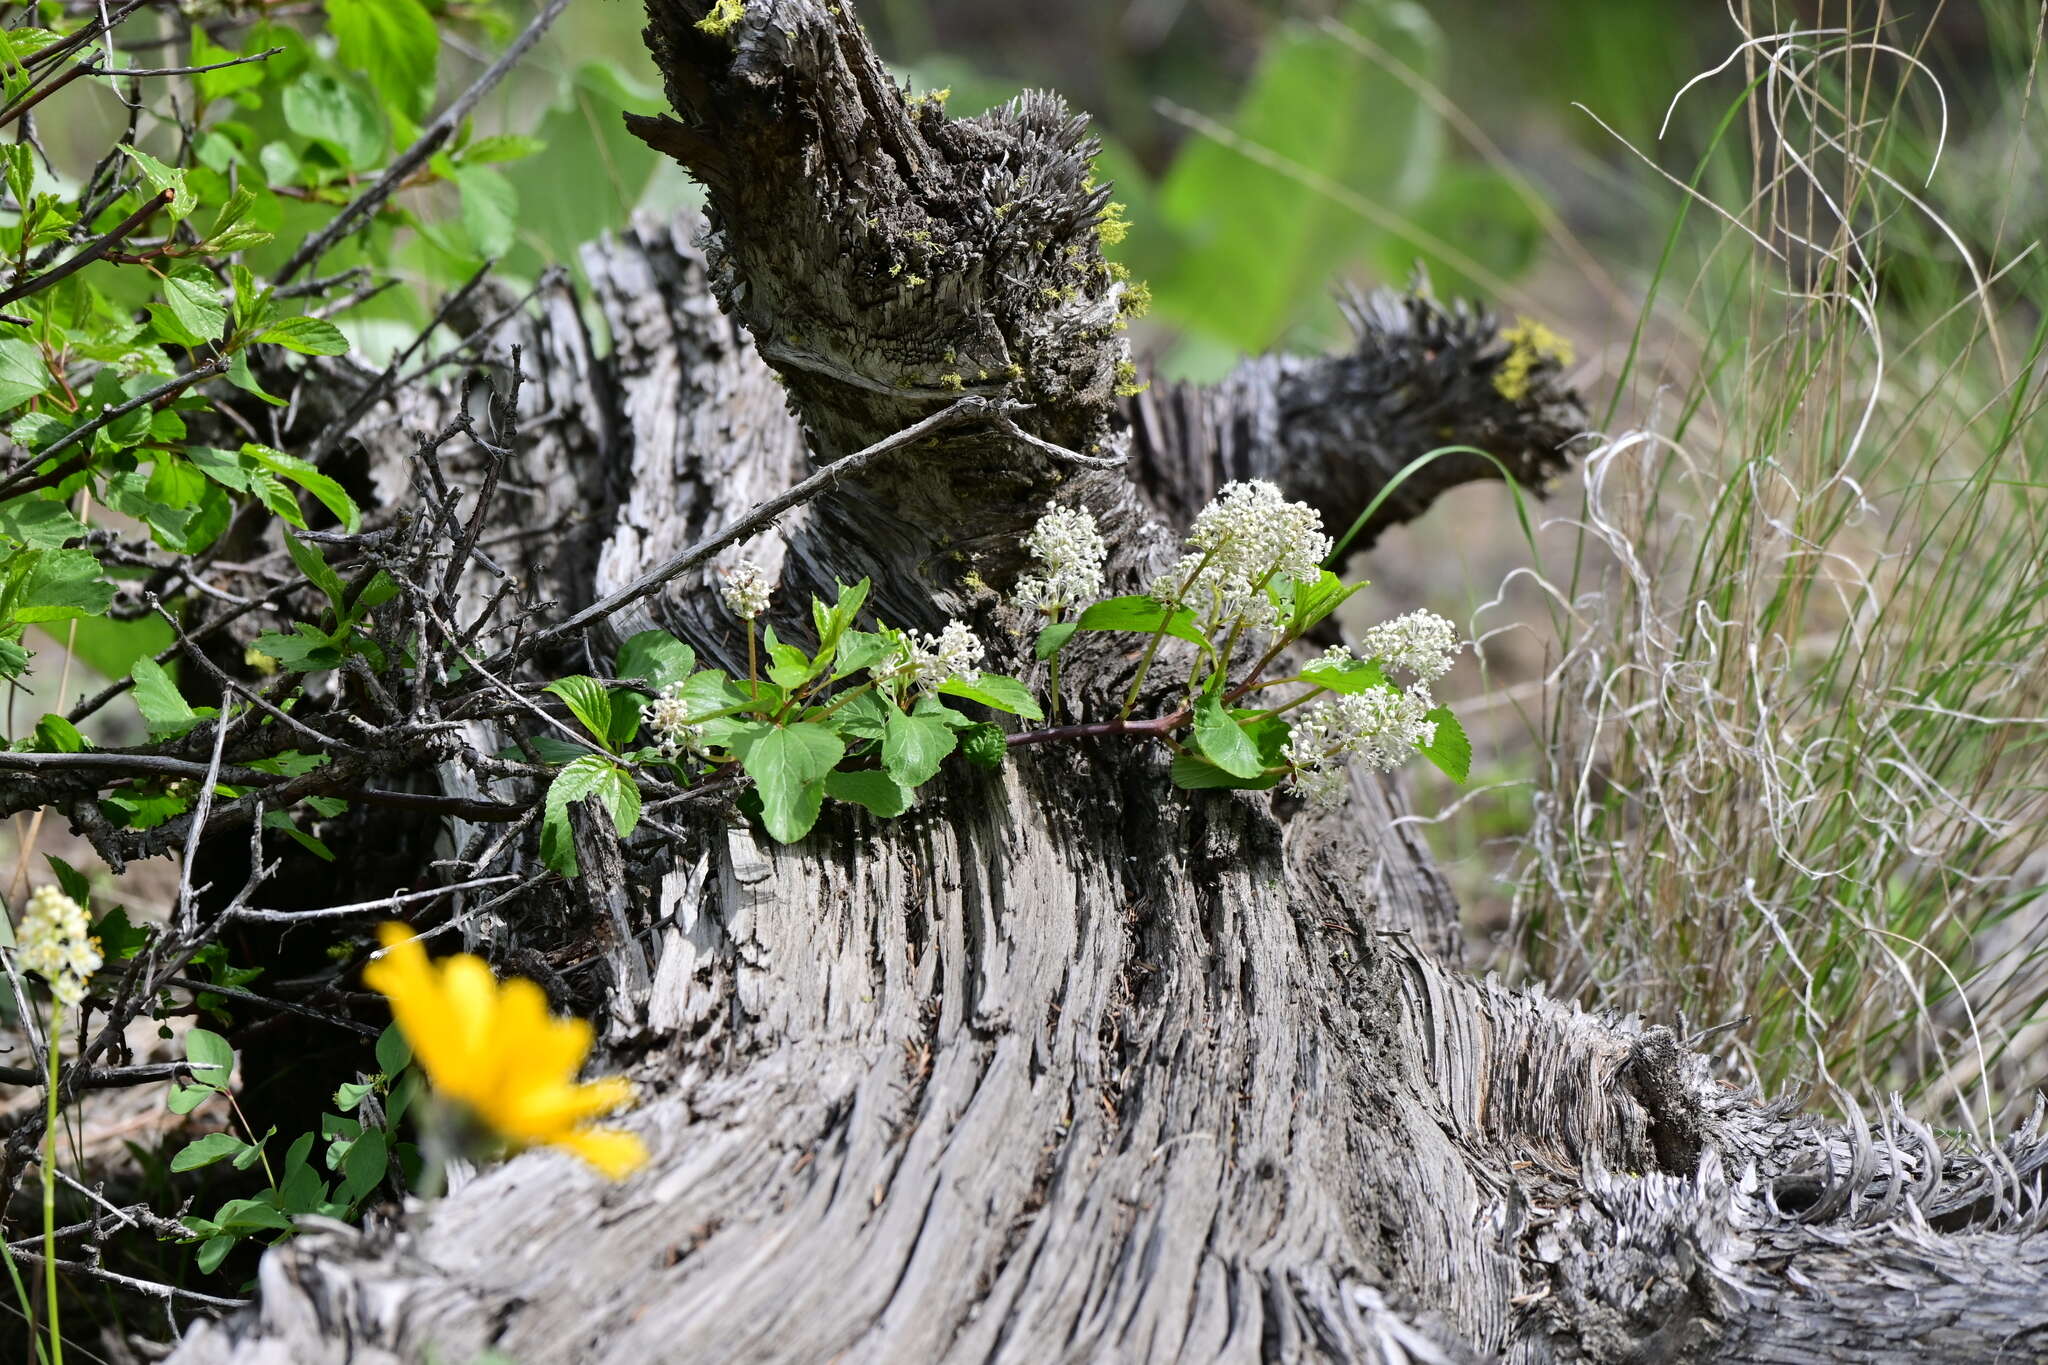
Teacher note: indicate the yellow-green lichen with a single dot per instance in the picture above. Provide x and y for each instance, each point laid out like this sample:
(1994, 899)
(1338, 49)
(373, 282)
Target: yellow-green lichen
(915, 280)
(1530, 344)
(723, 16)
(953, 381)
(1127, 385)
(1112, 227)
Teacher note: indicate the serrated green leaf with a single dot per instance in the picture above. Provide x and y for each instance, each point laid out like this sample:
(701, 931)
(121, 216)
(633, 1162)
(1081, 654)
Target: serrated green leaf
(1348, 678)
(913, 746)
(1194, 773)
(313, 564)
(338, 115)
(877, 791)
(23, 375)
(307, 336)
(1223, 741)
(789, 765)
(57, 585)
(39, 523)
(1450, 750)
(164, 710)
(330, 494)
(1053, 639)
(589, 701)
(984, 745)
(159, 178)
(1143, 614)
(861, 649)
(993, 689)
(657, 658)
(192, 307)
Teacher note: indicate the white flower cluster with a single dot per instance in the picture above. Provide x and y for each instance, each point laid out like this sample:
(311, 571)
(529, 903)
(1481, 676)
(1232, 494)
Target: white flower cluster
(1421, 644)
(953, 653)
(1246, 537)
(1069, 549)
(746, 590)
(56, 945)
(669, 719)
(1378, 726)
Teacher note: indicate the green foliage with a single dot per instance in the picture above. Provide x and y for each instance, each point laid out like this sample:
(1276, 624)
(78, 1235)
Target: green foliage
(361, 1154)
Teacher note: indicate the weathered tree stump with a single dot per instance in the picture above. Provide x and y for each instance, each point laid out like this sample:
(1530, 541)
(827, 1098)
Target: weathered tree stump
(1067, 1064)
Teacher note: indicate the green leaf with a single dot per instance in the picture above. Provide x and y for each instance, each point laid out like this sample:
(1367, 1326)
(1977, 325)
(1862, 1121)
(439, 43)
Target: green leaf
(70, 880)
(339, 116)
(163, 708)
(251, 1214)
(307, 336)
(1450, 750)
(318, 572)
(860, 649)
(1054, 638)
(1350, 678)
(500, 147)
(192, 301)
(213, 1065)
(159, 178)
(56, 735)
(788, 765)
(586, 776)
(657, 658)
(349, 1094)
(993, 689)
(362, 1170)
(877, 791)
(119, 939)
(39, 523)
(56, 585)
(1138, 612)
(23, 374)
(1314, 599)
(1195, 774)
(589, 701)
(240, 375)
(1223, 741)
(329, 493)
(228, 80)
(213, 1251)
(914, 745)
(490, 209)
(207, 1150)
(394, 1054)
(865, 716)
(394, 43)
(621, 797)
(306, 650)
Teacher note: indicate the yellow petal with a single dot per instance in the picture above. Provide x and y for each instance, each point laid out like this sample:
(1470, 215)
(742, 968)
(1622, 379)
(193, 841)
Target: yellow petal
(614, 1151)
(541, 1111)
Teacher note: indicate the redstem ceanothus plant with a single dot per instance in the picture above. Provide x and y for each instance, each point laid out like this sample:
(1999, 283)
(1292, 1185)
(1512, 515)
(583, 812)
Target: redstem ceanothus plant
(868, 716)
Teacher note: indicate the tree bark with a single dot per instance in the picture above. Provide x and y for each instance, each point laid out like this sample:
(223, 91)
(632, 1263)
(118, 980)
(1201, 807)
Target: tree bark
(1066, 1064)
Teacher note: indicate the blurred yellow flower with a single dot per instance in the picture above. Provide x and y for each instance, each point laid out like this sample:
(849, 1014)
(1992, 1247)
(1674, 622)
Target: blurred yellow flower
(494, 1047)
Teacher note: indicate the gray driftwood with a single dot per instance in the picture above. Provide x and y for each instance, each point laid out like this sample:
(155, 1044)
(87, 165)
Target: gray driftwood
(1067, 1065)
